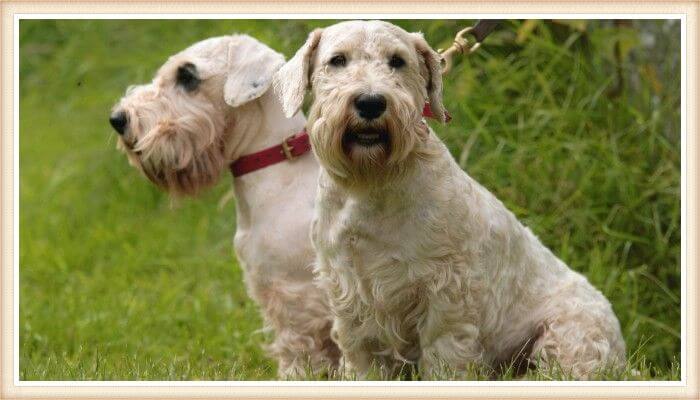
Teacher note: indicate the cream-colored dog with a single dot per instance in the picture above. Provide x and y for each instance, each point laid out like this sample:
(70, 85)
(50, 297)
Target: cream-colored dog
(206, 107)
(421, 263)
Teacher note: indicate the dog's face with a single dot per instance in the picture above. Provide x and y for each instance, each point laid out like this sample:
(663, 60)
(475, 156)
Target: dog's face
(370, 81)
(175, 128)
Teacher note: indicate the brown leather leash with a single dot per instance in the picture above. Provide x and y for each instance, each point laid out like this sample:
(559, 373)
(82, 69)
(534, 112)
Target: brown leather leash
(461, 44)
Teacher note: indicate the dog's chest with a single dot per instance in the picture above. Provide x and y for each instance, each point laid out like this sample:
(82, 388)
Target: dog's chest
(374, 248)
(364, 236)
(372, 265)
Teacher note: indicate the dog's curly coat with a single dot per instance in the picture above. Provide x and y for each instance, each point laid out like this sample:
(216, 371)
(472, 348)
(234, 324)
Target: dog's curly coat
(421, 263)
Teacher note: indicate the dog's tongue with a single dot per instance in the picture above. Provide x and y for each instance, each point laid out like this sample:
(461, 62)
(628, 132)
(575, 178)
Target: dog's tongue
(428, 113)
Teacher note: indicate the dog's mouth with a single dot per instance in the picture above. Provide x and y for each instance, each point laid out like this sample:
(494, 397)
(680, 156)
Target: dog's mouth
(127, 138)
(365, 137)
(130, 144)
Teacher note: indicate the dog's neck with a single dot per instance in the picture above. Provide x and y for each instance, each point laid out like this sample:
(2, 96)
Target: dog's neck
(259, 124)
(260, 193)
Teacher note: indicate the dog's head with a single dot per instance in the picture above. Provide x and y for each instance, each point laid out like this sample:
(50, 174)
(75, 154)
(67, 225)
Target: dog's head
(175, 128)
(370, 81)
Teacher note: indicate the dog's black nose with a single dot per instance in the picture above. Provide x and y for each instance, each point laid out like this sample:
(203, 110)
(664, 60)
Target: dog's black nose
(370, 106)
(118, 121)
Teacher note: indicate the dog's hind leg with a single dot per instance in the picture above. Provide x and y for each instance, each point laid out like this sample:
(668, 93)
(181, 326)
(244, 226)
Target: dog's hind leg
(300, 319)
(580, 340)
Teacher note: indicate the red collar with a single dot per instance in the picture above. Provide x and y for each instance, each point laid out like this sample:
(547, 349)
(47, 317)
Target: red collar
(291, 148)
(428, 113)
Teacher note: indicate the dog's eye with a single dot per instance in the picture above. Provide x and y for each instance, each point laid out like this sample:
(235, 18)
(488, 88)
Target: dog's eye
(396, 62)
(187, 77)
(337, 60)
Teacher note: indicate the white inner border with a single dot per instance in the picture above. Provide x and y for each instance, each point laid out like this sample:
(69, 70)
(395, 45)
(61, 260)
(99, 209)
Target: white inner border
(170, 16)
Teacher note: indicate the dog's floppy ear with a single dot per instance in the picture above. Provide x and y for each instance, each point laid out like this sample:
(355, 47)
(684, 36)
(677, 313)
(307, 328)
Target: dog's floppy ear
(292, 80)
(431, 69)
(250, 67)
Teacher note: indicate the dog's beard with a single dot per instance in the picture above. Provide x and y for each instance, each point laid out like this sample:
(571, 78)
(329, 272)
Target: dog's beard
(357, 151)
(181, 155)
(202, 171)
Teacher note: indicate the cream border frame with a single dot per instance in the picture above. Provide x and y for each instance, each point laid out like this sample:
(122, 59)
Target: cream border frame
(12, 11)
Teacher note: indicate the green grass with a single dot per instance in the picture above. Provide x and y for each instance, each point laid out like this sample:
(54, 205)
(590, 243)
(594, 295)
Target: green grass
(119, 282)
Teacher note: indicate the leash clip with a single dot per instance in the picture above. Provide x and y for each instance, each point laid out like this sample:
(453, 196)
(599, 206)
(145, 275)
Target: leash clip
(459, 45)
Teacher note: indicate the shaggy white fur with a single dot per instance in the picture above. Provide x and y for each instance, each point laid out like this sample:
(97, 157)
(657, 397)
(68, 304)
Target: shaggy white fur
(207, 106)
(421, 263)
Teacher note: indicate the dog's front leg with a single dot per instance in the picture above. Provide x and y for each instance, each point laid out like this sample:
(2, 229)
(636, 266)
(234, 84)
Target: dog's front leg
(448, 345)
(357, 357)
(451, 352)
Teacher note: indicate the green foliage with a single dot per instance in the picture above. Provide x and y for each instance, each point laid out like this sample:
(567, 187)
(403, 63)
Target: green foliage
(117, 281)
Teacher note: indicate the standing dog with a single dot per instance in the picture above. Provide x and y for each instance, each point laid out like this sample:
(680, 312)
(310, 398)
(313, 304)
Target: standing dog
(208, 106)
(420, 262)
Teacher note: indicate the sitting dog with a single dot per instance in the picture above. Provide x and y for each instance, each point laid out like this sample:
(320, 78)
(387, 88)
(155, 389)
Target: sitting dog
(207, 107)
(420, 262)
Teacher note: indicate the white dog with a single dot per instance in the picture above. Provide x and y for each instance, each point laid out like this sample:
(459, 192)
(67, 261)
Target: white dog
(421, 263)
(207, 107)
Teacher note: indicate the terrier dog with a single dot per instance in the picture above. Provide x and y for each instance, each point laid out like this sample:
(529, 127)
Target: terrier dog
(208, 106)
(420, 262)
